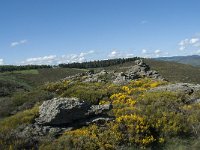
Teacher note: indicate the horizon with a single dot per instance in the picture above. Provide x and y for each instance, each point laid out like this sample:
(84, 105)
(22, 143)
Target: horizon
(49, 32)
(85, 61)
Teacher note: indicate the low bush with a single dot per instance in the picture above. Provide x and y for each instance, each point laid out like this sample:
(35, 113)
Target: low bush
(9, 124)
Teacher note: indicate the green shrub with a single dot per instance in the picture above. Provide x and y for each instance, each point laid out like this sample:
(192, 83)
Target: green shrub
(24, 117)
(90, 92)
(36, 95)
(9, 124)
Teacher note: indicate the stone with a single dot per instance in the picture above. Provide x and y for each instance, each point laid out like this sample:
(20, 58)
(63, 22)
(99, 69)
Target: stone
(139, 70)
(63, 114)
(61, 111)
(121, 78)
(185, 88)
(95, 77)
(103, 72)
(69, 112)
(191, 91)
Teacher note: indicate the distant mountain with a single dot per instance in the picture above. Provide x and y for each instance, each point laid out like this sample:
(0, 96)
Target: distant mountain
(193, 60)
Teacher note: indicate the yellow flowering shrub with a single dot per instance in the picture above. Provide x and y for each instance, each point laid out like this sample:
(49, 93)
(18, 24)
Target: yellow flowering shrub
(57, 86)
(142, 119)
(135, 129)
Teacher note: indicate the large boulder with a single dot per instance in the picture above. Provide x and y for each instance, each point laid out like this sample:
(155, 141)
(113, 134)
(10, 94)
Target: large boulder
(69, 112)
(63, 114)
(185, 88)
(191, 91)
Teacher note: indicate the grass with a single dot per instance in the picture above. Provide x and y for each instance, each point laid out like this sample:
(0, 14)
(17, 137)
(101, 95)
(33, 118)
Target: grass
(19, 87)
(32, 71)
(24, 117)
(176, 72)
(7, 125)
(33, 78)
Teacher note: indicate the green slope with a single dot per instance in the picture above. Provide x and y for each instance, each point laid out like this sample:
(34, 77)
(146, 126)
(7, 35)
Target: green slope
(193, 60)
(19, 87)
(172, 71)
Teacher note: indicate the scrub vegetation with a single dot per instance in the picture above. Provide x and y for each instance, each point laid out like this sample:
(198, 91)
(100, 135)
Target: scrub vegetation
(142, 119)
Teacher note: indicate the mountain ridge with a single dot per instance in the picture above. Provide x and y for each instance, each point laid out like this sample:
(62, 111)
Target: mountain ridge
(193, 60)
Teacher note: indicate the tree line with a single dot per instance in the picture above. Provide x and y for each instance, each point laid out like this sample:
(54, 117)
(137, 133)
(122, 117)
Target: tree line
(83, 65)
(98, 63)
(6, 68)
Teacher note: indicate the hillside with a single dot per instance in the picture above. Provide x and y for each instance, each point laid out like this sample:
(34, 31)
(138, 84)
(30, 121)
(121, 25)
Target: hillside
(17, 87)
(172, 71)
(193, 60)
(127, 105)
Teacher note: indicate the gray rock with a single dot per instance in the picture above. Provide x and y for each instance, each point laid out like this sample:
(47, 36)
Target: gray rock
(91, 79)
(61, 111)
(99, 109)
(69, 112)
(99, 120)
(95, 77)
(185, 88)
(121, 78)
(63, 114)
(140, 70)
(193, 101)
(36, 131)
(103, 72)
(190, 90)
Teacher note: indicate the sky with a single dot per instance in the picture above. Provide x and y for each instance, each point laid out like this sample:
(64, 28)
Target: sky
(65, 31)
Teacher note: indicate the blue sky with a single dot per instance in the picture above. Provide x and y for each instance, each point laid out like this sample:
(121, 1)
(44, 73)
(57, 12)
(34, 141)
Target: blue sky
(57, 31)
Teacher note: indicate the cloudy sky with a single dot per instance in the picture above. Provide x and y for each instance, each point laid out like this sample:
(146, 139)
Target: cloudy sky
(64, 31)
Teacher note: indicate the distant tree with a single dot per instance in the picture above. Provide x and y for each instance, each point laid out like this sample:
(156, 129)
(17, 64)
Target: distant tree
(5, 68)
(98, 63)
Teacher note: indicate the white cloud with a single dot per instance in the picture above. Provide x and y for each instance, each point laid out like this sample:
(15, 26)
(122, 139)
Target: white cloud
(189, 43)
(184, 42)
(1, 62)
(116, 54)
(113, 54)
(54, 60)
(48, 60)
(157, 52)
(144, 51)
(86, 53)
(154, 53)
(16, 43)
(194, 40)
(182, 48)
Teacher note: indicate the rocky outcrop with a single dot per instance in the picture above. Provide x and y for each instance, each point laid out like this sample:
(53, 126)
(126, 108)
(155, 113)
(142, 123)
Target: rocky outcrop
(121, 78)
(185, 88)
(96, 77)
(139, 70)
(191, 90)
(142, 70)
(62, 114)
(69, 112)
